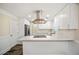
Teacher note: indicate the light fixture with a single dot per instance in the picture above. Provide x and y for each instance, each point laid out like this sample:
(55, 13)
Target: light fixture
(38, 19)
(47, 15)
(29, 16)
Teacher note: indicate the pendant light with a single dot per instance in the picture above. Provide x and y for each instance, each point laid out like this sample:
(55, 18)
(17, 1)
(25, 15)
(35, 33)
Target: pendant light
(38, 19)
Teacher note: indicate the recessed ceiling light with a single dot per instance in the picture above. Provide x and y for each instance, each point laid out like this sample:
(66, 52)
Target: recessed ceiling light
(63, 15)
(47, 15)
(29, 16)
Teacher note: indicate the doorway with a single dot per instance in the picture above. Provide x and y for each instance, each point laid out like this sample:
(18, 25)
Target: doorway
(26, 30)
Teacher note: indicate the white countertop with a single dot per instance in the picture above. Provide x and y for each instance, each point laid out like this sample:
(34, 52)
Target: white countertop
(48, 38)
(31, 38)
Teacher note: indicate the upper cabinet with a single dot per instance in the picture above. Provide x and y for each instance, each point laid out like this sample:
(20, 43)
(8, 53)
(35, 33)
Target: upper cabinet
(67, 18)
(74, 16)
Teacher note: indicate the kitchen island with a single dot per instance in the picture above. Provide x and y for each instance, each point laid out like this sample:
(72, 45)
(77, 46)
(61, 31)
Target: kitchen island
(33, 45)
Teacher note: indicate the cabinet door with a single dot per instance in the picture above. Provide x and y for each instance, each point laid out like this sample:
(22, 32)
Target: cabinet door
(74, 16)
(62, 18)
(13, 29)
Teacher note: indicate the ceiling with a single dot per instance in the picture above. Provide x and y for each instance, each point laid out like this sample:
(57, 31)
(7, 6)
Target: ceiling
(26, 10)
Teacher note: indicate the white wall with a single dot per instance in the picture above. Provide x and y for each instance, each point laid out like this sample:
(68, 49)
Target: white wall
(4, 25)
(8, 31)
(26, 22)
(22, 21)
(21, 27)
(11, 30)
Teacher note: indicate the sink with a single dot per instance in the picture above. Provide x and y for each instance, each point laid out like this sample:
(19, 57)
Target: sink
(39, 36)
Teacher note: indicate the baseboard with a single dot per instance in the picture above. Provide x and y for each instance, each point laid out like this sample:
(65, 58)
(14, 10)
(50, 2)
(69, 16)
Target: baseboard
(7, 49)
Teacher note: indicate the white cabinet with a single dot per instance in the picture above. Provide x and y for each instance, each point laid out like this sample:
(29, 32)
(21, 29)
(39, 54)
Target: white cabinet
(67, 18)
(74, 16)
(62, 18)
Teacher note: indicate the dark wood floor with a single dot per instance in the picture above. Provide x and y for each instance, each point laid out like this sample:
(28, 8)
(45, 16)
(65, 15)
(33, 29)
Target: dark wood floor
(16, 50)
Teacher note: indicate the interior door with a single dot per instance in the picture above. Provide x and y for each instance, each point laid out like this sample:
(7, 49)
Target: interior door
(14, 29)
